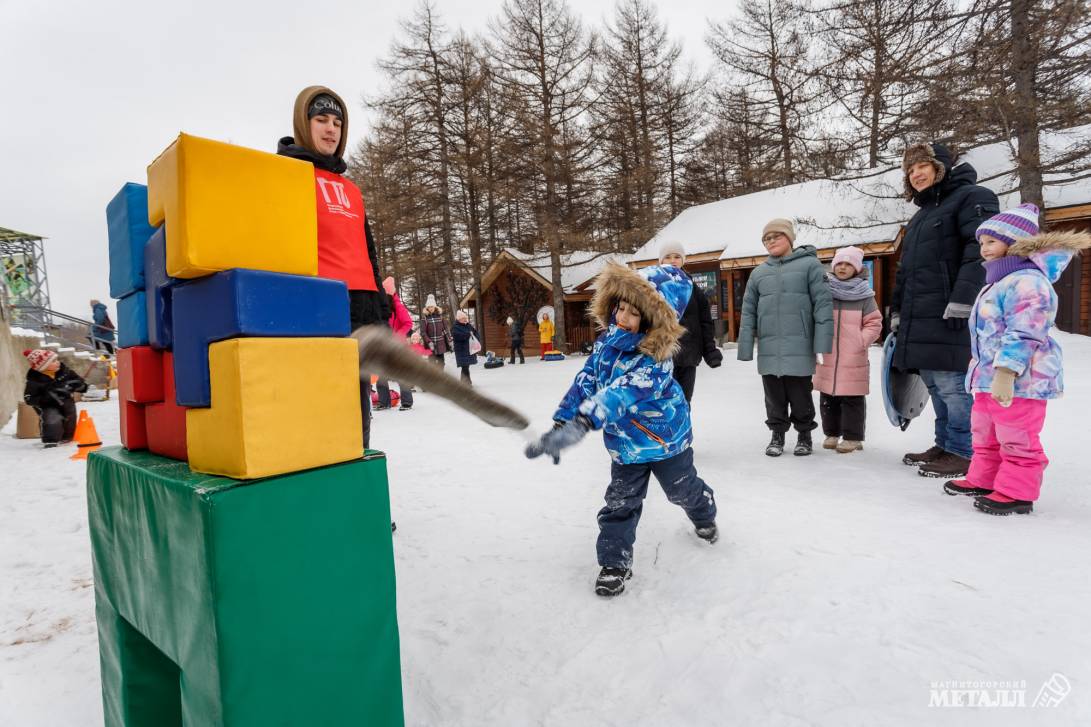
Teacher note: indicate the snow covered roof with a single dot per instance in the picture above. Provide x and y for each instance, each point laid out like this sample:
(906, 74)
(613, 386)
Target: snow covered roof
(577, 267)
(857, 209)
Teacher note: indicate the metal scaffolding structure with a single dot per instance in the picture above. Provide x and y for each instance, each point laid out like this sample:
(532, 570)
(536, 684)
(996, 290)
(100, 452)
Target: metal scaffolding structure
(23, 279)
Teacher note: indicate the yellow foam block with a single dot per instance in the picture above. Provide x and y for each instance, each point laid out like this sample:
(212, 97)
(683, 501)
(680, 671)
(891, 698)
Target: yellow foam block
(228, 207)
(279, 405)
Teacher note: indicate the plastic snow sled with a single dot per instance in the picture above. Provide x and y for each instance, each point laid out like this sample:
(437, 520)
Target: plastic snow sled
(395, 398)
(904, 394)
(553, 356)
(492, 362)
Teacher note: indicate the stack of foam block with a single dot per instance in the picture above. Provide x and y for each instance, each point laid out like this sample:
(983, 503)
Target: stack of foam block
(224, 602)
(258, 378)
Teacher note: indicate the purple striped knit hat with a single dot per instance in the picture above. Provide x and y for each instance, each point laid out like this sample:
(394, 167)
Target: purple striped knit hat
(1011, 225)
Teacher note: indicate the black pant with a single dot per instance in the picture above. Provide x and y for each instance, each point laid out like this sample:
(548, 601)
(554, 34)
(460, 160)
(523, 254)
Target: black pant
(782, 392)
(843, 416)
(58, 424)
(383, 387)
(104, 346)
(518, 348)
(625, 502)
(436, 358)
(686, 376)
(466, 374)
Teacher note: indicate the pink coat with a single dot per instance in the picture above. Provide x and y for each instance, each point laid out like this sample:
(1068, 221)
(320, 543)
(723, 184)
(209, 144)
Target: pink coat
(844, 371)
(400, 320)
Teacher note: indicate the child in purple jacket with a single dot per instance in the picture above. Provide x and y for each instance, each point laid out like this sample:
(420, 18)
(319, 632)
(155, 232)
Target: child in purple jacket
(1016, 366)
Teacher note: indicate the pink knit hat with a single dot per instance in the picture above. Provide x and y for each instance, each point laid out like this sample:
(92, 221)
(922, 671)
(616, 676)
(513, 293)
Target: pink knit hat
(388, 286)
(854, 256)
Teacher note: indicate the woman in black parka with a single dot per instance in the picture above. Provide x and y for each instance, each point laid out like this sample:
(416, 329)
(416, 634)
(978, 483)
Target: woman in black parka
(938, 279)
(698, 342)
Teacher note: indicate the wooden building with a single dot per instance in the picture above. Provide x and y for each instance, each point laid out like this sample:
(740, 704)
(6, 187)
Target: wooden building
(517, 282)
(723, 239)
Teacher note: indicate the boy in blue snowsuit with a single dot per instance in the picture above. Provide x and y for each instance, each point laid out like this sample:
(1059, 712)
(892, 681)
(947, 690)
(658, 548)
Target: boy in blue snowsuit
(627, 390)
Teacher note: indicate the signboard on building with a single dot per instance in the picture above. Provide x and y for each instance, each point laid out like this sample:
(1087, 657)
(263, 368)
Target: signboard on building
(706, 281)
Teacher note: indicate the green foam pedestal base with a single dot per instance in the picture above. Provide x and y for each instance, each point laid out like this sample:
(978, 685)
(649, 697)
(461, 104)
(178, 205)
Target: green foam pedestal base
(239, 604)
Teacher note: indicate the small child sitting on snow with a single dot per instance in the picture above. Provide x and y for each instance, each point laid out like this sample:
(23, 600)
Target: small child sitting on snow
(1015, 365)
(842, 375)
(626, 388)
(49, 388)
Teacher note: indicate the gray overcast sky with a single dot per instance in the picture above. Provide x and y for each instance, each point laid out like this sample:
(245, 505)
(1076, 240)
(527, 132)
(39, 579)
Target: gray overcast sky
(93, 91)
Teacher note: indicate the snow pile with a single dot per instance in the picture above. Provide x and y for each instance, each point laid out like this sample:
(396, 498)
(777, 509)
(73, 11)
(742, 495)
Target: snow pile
(842, 588)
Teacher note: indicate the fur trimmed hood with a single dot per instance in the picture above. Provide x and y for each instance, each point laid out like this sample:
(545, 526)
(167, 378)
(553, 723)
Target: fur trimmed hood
(1051, 251)
(935, 154)
(660, 293)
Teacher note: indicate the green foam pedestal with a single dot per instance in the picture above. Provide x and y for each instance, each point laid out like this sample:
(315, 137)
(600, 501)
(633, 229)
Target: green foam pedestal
(239, 604)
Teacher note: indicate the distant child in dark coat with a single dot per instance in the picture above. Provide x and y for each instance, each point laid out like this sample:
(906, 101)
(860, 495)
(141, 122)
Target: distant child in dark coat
(515, 331)
(626, 390)
(49, 389)
(698, 342)
(462, 334)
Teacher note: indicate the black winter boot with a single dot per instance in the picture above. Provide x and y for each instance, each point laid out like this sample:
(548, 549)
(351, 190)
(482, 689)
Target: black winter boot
(775, 448)
(803, 445)
(990, 506)
(962, 487)
(707, 532)
(611, 581)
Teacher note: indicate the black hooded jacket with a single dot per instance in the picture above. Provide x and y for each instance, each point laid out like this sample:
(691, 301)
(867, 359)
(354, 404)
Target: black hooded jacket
(940, 264)
(698, 342)
(366, 307)
(52, 392)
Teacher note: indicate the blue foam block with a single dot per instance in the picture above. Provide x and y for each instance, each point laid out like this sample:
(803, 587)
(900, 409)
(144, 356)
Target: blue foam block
(127, 222)
(244, 302)
(132, 320)
(158, 288)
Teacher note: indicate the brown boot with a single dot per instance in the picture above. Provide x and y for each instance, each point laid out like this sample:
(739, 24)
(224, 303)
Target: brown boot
(849, 445)
(946, 466)
(916, 459)
(830, 443)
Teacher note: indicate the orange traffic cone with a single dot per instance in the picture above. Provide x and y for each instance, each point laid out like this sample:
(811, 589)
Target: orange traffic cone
(87, 439)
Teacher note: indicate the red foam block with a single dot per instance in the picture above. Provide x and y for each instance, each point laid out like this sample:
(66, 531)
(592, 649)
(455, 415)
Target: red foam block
(166, 421)
(134, 431)
(140, 374)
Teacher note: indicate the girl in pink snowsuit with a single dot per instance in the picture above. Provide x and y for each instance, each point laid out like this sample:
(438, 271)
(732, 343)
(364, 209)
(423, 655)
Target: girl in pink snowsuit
(1015, 366)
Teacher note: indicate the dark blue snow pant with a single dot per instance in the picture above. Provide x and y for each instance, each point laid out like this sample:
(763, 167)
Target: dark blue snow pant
(625, 501)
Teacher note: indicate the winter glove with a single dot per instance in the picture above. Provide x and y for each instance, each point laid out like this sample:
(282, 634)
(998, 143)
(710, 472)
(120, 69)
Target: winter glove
(818, 359)
(955, 315)
(714, 359)
(559, 437)
(895, 321)
(1003, 388)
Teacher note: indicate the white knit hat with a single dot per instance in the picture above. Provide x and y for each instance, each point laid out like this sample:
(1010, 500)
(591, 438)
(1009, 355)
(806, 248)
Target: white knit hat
(430, 302)
(672, 246)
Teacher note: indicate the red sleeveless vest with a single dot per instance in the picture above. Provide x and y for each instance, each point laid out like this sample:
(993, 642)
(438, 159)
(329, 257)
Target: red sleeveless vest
(342, 244)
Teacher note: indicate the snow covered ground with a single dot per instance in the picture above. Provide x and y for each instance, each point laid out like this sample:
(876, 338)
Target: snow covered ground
(842, 588)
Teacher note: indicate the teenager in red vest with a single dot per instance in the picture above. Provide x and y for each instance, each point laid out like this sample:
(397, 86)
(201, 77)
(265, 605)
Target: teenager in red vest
(346, 247)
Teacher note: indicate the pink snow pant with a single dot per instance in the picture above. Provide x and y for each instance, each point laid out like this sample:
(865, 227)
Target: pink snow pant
(1008, 455)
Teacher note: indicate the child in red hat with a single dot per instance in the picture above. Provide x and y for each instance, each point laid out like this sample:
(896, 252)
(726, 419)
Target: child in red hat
(49, 388)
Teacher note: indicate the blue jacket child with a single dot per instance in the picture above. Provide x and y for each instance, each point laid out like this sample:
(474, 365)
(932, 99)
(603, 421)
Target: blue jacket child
(627, 390)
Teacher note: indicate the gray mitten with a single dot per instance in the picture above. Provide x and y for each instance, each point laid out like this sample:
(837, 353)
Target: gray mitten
(559, 437)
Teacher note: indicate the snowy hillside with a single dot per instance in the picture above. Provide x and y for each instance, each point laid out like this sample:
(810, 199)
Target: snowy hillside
(842, 588)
